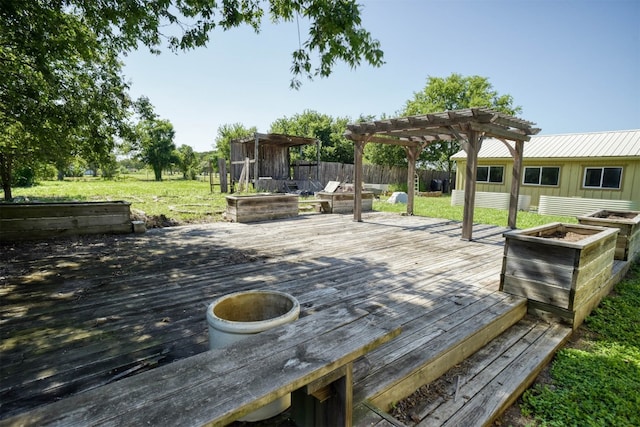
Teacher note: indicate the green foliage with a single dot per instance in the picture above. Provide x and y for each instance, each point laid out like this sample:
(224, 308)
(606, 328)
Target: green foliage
(335, 30)
(334, 147)
(385, 154)
(60, 74)
(226, 134)
(156, 145)
(152, 139)
(62, 90)
(598, 385)
(441, 94)
(187, 161)
(457, 92)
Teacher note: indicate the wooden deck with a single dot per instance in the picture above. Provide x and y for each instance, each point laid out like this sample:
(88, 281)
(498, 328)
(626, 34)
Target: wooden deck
(81, 313)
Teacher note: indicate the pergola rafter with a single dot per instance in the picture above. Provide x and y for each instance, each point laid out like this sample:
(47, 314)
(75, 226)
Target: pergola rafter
(469, 126)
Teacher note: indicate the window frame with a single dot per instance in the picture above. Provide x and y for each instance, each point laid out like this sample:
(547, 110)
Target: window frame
(539, 184)
(602, 169)
(488, 181)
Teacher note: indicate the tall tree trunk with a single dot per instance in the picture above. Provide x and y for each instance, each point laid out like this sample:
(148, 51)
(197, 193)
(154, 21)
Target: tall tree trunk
(157, 171)
(6, 175)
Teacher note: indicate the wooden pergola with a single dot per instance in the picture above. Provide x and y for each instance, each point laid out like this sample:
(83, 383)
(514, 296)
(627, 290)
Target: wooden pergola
(469, 126)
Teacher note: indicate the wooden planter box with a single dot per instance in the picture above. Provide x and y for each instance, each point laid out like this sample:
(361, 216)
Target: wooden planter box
(261, 207)
(27, 221)
(628, 222)
(343, 202)
(566, 275)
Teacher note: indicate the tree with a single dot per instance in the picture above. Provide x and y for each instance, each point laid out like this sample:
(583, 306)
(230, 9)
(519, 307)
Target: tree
(62, 93)
(453, 93)
(187, 161)
(226, 134)
(335, 26)
(156, 145)
(330, 131)
(60, 76)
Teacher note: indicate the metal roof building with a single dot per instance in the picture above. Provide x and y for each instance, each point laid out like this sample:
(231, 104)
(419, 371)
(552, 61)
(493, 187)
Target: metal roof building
(600, 168)
(594, 144)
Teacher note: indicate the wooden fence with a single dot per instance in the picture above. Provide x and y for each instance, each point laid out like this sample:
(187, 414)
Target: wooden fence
(372, 174)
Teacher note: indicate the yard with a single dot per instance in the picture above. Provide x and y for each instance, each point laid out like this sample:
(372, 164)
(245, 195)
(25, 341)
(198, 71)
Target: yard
(177, 201)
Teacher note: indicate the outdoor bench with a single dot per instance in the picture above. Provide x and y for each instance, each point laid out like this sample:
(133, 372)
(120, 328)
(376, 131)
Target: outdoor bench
(312, 357)
(324, 204)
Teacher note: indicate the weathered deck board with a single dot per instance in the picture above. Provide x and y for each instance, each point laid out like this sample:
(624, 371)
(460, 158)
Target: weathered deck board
(493, 377)
(83, 312)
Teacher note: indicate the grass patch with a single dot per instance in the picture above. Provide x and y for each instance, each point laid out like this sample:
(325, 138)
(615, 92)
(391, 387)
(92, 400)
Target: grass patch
(183, 201)
(440, 207)
(598, 382)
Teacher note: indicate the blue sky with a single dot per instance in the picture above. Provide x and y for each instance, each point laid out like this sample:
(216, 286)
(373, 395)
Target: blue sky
(573, 66)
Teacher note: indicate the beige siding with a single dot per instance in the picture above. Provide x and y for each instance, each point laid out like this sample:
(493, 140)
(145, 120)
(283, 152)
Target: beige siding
(571, 176)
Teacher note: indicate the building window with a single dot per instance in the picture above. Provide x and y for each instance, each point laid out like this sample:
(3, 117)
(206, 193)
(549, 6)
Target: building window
(490, 174)
(538, 175)
(603, 178)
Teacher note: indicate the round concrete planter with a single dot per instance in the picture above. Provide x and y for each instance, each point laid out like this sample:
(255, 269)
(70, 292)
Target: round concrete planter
(234, 317)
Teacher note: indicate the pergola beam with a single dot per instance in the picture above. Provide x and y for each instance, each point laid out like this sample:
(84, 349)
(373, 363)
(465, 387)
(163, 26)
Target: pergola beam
(469, 126)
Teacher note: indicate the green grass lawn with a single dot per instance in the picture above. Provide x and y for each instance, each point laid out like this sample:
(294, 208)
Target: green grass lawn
(596, 381)
(186, 201)
(440, 207)
(183, 201)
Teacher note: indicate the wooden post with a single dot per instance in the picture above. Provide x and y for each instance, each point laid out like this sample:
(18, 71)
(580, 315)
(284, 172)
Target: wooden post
(515, 184)
(256, 170)
(472, 148)
(412, 157)
(210, 176)
(358, 150)
(222, 170)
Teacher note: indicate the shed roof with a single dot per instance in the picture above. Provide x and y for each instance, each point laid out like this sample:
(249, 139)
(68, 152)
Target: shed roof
(276, 139)
(624, 143)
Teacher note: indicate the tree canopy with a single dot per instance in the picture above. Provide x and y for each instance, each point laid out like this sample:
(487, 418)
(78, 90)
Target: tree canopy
(329, 130)
(152, 141)
(62, 92)
(226, 134)
(454, 92)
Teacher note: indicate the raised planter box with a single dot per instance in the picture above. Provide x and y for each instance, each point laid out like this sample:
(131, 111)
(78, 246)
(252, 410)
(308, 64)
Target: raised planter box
(28, 221)
(563, 269)
(340, 202)
(261, 207)
(628, 222)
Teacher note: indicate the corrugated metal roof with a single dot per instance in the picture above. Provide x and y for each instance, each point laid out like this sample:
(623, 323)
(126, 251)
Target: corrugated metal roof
(624, 143)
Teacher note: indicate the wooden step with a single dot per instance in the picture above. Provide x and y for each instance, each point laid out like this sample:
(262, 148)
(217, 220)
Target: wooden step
(389, 379)
(487, 383)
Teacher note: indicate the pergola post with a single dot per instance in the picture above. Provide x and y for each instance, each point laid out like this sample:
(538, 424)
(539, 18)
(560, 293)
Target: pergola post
(412, 157)
(472, 148)
(515, 184)
(358, 150)
(468, 125)
(256, 166)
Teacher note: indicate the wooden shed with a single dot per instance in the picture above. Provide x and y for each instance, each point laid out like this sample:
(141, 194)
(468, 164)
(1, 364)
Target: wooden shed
(269, 161)
(568, 174)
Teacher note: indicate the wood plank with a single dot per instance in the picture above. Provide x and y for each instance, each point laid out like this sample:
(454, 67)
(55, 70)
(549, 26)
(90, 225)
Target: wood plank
(511, 381)
(303, 341)
(449, 349)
